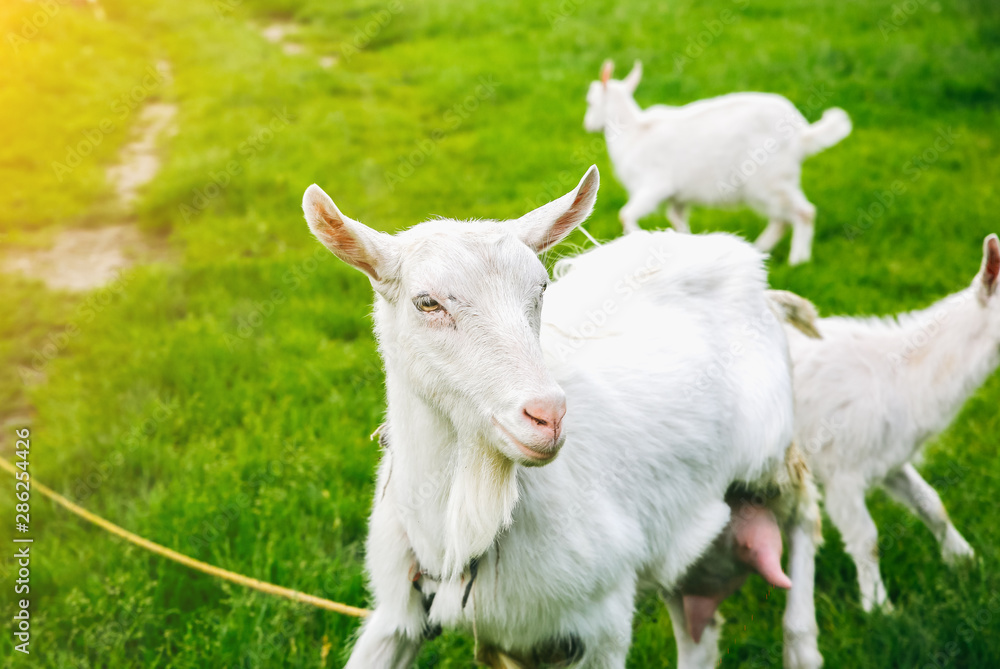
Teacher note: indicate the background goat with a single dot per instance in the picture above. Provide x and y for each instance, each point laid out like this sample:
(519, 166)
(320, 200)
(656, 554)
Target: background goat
(873, 391)
(657, 357)
(742, 148)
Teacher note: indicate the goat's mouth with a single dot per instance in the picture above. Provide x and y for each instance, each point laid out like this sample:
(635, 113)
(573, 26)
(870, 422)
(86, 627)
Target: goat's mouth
(534, 456)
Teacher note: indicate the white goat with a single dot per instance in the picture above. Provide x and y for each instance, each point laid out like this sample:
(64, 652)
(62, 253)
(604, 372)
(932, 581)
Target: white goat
(742, 148)
(676, 378)
(873, 391)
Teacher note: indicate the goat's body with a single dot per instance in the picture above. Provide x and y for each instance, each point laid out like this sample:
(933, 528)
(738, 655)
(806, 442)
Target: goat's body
(869, 395)
(678, 383)
(694, 153)
(737, 149)
(641, 444)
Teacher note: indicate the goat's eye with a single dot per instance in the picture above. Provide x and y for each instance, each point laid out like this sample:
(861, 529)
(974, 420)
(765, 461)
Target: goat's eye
(427, 303)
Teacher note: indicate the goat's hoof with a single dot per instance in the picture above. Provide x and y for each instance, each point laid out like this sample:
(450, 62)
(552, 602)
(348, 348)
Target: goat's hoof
(803, 654)
(956, 551)
(883, 606)
(960, 558)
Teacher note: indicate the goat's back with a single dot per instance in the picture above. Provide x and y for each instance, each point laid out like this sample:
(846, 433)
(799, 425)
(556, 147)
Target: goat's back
(873, 390)
(723, 150)
(679, 325)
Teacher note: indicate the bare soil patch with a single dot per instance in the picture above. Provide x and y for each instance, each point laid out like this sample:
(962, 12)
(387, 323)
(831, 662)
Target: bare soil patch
(138, 161)
(85, 259)
(82, 260)
(281, 33)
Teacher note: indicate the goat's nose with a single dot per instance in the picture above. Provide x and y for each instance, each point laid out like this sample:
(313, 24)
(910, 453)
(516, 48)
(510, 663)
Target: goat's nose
(545, 415)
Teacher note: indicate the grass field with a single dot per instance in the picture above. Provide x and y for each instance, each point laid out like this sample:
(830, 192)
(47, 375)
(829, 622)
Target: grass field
(221, 403)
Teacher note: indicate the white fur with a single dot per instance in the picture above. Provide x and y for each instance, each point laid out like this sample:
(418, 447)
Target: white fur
(679, 387)
(737, 149)
(871, 393)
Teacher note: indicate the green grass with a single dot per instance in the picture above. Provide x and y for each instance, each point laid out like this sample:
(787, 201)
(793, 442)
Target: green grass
(221, 404)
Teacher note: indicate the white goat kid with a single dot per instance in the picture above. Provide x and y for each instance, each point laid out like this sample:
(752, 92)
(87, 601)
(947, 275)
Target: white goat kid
(742, 148)
(873, 391)
(467, 529)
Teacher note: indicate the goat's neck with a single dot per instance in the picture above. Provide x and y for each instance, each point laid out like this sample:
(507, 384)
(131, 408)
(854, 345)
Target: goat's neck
(946, 353)
(453, 491)
(622, 120)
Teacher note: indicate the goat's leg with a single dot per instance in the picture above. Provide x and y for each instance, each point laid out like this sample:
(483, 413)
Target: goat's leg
(802, 237)
(677, 214)
(845, 504)
(799, 623)
(772, 234)
(383, 646)
(693, 654)
(805, 533)
(610, 622)
(393, 633)
(803, 229)
(907, 486)
(800, 629)
(640, 203)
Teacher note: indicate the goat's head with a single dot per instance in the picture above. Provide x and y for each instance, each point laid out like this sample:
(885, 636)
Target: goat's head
(458, 311)
(985, 283)
(606, 90)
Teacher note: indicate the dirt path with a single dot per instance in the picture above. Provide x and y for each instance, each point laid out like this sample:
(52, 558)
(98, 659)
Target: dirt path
(85, 259)
(139, 161)
(82, 260)
(280, 33)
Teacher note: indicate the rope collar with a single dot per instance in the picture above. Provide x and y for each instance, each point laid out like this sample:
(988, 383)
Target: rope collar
(418, 578)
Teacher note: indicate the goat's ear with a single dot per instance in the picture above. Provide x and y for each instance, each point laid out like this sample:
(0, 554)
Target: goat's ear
(634, 77)
(546, 226)
(356, 244)
(607, 68)
(990, 269)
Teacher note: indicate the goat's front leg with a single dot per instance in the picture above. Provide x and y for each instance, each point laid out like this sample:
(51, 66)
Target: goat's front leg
(677, 214)
(907, 486)
(609, 626)
(691, 654)
(803, 229)
(382, 645)
(845, 503)
(393, 633)
(641, 203)
(772, 234)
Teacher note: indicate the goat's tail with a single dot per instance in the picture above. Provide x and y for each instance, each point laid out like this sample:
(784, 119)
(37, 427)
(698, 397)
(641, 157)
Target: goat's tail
(795, 310)
(834, 126)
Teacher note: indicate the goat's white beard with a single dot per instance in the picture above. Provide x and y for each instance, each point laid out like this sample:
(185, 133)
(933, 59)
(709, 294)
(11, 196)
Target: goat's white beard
(481, 483)
(481, 503)
(477, 492)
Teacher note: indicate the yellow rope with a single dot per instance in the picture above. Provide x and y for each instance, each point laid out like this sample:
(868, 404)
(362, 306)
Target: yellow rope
(188, 561)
